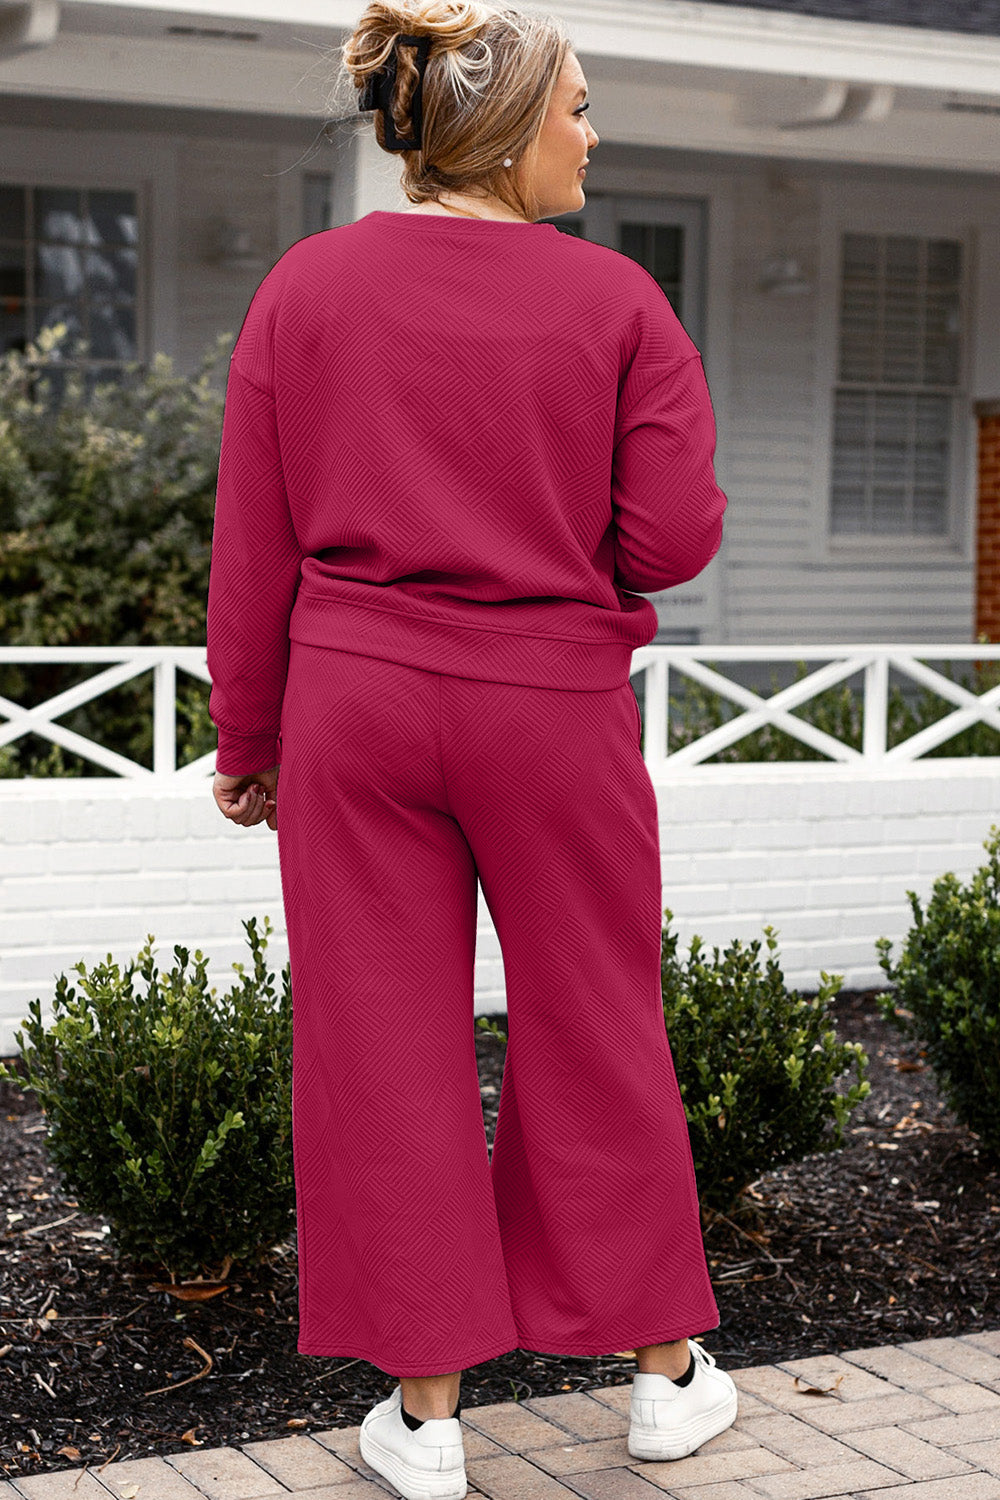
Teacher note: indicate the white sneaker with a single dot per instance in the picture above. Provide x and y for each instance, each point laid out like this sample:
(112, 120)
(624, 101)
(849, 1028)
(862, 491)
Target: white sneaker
(671, 1421)
(426, 1464)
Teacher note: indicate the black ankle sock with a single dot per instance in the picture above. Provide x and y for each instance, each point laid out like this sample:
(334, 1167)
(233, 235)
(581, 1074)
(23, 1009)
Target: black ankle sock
(414, 1422)
(688, 1375)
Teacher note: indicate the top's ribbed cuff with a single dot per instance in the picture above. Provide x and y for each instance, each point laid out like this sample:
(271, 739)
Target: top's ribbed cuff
(246, 754)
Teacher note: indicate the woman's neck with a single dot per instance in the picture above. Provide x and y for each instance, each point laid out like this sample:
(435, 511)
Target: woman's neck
(484, 209)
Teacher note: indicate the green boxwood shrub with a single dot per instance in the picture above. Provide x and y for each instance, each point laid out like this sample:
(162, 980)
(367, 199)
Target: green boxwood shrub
(169, 1108)
(757, 1063)
(945, 990)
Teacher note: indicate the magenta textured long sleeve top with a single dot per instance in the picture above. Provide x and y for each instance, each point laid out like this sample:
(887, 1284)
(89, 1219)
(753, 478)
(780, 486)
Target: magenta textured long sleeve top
(466, 445)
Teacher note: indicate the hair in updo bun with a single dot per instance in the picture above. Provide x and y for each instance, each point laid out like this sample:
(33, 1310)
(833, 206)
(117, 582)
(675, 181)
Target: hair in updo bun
(488, 81)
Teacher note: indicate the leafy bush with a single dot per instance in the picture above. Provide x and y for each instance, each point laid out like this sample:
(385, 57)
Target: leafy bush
(756, 1063)
(107, 501)
(945, 990)
(169, 1109)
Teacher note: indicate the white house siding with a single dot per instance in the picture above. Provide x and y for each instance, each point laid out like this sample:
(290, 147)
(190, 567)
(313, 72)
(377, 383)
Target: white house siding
(783, 581)
(253, 175)
(910, 604)
(190, 168)
(770, 360)
(233, 178)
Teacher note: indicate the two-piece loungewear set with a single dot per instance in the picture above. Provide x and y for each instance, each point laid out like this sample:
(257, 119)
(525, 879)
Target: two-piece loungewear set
(453, 450)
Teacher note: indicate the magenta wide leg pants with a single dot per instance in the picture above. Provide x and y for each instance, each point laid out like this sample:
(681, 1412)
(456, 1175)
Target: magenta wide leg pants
(418, 1252)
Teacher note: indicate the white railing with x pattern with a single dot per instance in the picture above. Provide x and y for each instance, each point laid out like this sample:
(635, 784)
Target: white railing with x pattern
(659, 665)
(124, 664)
(832, 665)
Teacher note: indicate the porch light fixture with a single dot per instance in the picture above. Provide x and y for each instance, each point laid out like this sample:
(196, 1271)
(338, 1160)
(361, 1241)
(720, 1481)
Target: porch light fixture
(783, 277)
(786, 203)
(230, 247)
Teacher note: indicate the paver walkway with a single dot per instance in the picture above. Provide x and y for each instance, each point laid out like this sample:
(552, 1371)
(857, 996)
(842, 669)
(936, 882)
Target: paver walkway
(915, 1421)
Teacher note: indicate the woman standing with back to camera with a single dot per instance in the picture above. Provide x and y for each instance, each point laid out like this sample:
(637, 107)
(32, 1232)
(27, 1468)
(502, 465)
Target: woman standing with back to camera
(458, 446)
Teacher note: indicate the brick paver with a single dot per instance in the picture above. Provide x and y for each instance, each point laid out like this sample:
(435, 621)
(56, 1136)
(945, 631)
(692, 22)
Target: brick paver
(837, 1417)
(515, 1426)
(751, 1405)
(919, 1421)
(580, 1415)
(960, 1358)
(971, 1427)
(911, 1455)
(824, 1370)
(574, 1458)
(154, 1476)
(299, 1463)
(513, 1478)
(706, 1466)
(61, 1486)
(796, 1440)
(982, 1455)
(987, 1341)
(773, 1387)
(826, 1479)
(898, 1364)
(729, 1489)
(963, 1396)
(226, 1474)
(965, 1487)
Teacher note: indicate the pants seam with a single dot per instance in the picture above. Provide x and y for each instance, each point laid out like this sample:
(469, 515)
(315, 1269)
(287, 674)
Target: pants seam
(444, 778)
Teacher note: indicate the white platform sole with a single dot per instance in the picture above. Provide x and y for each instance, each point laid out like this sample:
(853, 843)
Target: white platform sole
(412, 1483)
(654, 1445)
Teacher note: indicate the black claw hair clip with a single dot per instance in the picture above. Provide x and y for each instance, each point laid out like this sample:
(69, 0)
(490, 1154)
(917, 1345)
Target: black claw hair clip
(378, 90)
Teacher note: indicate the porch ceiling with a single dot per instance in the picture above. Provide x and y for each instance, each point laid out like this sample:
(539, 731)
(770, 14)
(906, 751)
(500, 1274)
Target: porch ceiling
(671, 73)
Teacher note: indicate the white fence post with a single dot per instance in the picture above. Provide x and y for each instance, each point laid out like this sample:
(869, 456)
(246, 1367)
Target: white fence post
(165, 717)
(655, 668)
(876, 708)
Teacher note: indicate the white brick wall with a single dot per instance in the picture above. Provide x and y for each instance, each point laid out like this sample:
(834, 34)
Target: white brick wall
(824, 853)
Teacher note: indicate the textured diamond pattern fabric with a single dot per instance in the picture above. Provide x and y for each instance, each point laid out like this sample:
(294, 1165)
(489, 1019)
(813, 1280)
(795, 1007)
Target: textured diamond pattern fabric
(399, 789)
(454, 454)
(468, 446)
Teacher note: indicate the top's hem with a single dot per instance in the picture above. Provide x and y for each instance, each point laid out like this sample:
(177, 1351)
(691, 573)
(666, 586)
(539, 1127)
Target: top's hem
(494, 629)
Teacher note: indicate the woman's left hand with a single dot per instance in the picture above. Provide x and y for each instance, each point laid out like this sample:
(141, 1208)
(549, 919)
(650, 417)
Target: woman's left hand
(248, 799)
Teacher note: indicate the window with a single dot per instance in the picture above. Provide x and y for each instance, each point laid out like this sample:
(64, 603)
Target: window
(70, 255)
(660, 249)
(897, 395)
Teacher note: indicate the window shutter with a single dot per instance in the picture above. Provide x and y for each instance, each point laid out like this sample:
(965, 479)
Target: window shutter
(898, 377)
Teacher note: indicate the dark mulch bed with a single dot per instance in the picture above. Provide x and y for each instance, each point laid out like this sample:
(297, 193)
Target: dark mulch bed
(894, 1237)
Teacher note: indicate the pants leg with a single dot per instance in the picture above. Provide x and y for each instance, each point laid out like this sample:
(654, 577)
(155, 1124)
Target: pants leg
(398, 788)
(592, 1171)
(400, 1260)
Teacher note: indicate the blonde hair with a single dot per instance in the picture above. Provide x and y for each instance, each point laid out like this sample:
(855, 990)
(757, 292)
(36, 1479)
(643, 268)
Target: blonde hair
(489, 78)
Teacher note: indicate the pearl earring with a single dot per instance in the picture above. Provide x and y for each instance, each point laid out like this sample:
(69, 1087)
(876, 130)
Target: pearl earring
(507, 161)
